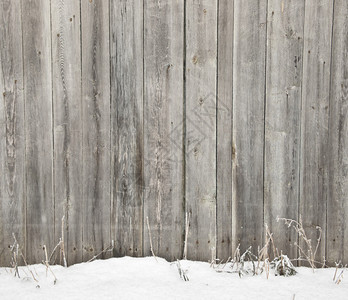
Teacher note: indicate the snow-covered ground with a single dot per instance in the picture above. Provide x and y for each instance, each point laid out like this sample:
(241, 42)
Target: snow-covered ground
(146, 278)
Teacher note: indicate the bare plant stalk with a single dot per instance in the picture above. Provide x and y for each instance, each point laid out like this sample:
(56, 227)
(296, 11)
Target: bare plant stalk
(18, 252)
(219, 264)
(25, 262)
(306, 260)
(15, 250)
(275, 250)
(227, 261)
(108, 249)
(318, 241)
(339, 278)
(236, 256)
(298, 226)
(337, 266)
(54, 250)
(46, 263)
(62, 245)
(267, 267)
(324, 262)
(213, 256)
(187, 227)
(181, 271)
(150, 237)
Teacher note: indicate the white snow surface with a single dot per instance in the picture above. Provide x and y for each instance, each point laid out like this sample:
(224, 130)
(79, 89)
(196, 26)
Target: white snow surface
(146, 278)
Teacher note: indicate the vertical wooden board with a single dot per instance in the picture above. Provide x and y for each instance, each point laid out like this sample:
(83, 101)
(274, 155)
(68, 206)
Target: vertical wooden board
(67, 112)
(12, 140)
(38, 123)
(337, 207)
(96, 126)
(200, 139)
(248, 122)
(224, 131)
(285, 26)
(126, 50)
(163, 127)
(314, 119)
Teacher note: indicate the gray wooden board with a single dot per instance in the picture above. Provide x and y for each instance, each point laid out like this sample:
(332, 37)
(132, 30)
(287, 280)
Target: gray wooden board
(282, 119)
(67, 112)
(96, 127)
(38, 123)
(337, 206)
(314, 120)
(163, 127)
(248, 122)
(200, 139)
(224, 131)
(12, 139)
(126, 51)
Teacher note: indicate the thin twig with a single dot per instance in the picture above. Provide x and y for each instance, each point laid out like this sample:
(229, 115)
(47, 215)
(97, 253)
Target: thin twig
(150, 237)
(187, 227)
(337, 266)
(54, 250)
(62, 245)
(228, 259)
(25, 262)
(108, 249)
(46, 263)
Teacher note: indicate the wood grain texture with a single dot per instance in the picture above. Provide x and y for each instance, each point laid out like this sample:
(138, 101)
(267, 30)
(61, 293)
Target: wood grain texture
(200, 139)
(337, 206)
(248, 122)
(96, 127)
(163, 126)
(114, 111)
(38, 122)
(282, 119)
(67, 111)
(12, 139)
(224, 131)
(126, 51)
(314, 120)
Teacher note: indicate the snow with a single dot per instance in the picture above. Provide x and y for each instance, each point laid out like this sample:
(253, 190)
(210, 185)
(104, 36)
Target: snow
(147, 278)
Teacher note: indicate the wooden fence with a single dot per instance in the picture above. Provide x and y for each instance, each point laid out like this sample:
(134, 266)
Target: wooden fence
(115, 111)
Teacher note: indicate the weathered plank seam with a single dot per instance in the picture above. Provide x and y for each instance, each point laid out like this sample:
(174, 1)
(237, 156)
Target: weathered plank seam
(111, 238)
(143, 135)
(300, 130)
(216, 122)
(52, 128)
(232, 128)
(82, 130)
(25, 142)
(184, 125)
(329, 127)
(264, 120)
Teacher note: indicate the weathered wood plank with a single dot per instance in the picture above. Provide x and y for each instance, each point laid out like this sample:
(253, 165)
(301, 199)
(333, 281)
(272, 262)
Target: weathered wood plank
(38, 123)
(12, 139)
(337, 206)
(126, 50)
(163, 127)
(67, 112)
(314, 119)
(201, 65)
(96, 126)
(224, 131)
(248, 122)
(282, 119)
